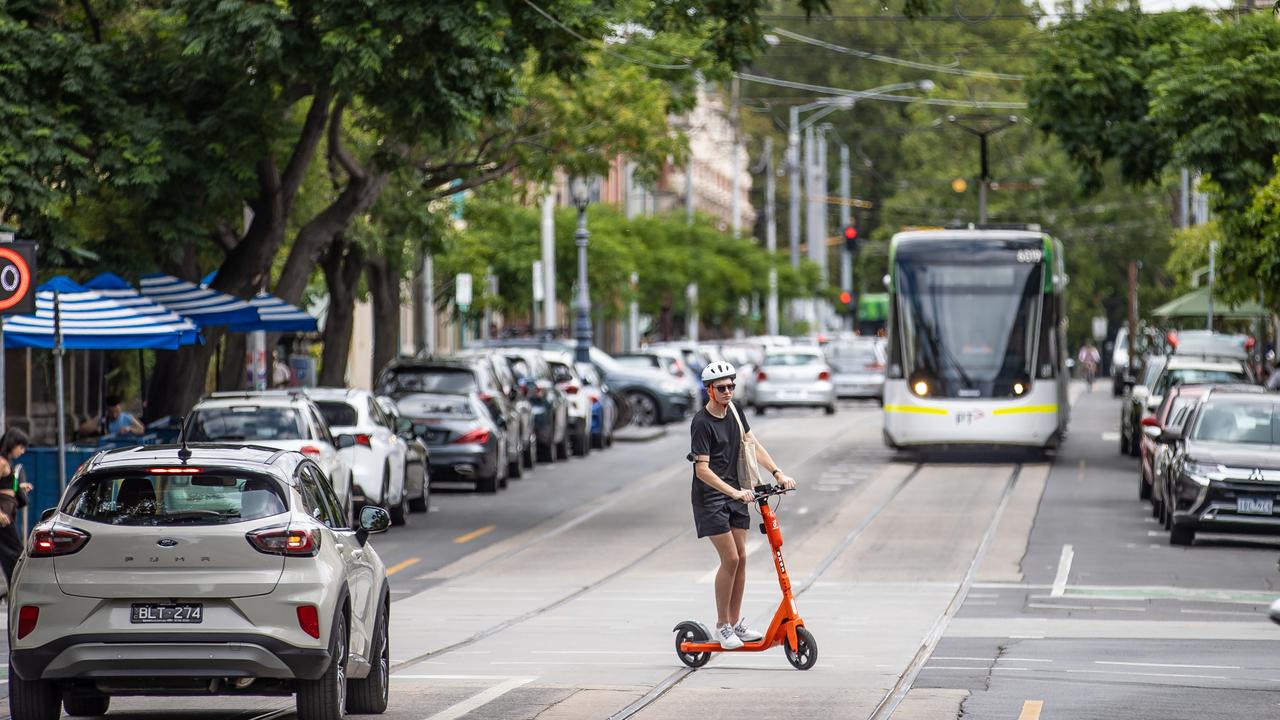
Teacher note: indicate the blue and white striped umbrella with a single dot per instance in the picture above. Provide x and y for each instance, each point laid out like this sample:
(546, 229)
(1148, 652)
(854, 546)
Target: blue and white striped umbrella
(98, 320)
(276, 315)
(203, 305)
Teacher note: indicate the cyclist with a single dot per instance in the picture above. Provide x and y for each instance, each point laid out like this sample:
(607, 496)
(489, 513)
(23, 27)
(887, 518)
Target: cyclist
(720, 509)
(1089, 359)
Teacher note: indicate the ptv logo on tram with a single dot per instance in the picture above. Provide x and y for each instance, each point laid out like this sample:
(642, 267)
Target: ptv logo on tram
(17, 278)
(969, 417)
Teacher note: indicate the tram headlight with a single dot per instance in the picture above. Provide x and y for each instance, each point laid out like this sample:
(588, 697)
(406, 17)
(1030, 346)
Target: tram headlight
(920, 388)
(1019, 388)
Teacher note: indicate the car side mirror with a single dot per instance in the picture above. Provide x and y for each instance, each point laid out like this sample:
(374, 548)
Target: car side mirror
(1168, 435)
(345, 441)
(404, 425)
(372, 520)
(48, 513)
(1152, 431)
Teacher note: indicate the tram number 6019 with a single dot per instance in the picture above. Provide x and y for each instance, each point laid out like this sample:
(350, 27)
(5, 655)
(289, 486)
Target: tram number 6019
(1030, 256)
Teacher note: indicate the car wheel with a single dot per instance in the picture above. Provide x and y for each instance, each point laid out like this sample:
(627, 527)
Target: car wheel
(86, 704)
(830, 409)
(1124, 442)
(33, 699)
(1135, 445)
(515, 468)
(1182, 535)
(580, 443)
(400, 511)
(644, 409)
(1166, 515)
(369, 696)
(325, 698)
(487, 485)
(597, 441)
(562, 448)
(760, 409)
(1144, 490)
(1157, 508)
(530, 458)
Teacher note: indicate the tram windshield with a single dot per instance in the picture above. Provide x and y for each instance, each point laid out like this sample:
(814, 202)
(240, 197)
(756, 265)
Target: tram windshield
(966, 328)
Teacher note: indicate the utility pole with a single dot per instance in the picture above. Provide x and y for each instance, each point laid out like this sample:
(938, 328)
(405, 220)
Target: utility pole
(429, 305)
(1185, 204)
(770, 239)
(735, 202)
(793, 178)
(1213, 251)
(983, 126)
(1133, 311)
(549, 261)
(846, 257)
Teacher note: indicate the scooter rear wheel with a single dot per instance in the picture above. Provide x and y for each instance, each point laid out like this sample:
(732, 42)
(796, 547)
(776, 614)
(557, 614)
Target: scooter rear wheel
(806, 652)
(692, 632)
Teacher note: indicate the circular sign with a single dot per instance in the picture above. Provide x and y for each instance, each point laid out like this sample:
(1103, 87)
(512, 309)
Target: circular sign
(15, 278)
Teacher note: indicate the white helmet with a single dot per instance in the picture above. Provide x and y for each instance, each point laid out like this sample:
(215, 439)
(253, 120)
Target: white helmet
(717, 370)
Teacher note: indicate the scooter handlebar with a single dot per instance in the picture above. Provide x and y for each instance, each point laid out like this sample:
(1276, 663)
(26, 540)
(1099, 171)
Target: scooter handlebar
(767, 491)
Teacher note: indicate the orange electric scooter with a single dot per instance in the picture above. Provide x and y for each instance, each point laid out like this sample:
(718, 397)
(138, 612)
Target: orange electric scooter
(693, 641)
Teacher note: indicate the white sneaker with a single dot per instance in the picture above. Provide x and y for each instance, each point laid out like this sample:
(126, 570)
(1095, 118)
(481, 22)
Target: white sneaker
(729, 639)
(746, 634)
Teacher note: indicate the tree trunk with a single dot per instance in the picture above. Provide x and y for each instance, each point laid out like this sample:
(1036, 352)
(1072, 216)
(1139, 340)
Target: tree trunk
(234, 372)
(384, 289)
(342, 264)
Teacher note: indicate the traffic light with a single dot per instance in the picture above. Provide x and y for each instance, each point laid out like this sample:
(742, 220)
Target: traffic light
(850, 234)
(847, 305)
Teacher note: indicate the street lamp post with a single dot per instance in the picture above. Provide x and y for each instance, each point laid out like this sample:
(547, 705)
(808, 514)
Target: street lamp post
(582, 189)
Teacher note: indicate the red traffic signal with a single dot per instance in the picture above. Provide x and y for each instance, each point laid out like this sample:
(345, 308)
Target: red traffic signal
(845, 297)
(850, 232)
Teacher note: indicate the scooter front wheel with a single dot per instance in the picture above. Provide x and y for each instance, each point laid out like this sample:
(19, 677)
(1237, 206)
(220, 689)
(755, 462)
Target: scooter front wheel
(694, 632)
(805, 653)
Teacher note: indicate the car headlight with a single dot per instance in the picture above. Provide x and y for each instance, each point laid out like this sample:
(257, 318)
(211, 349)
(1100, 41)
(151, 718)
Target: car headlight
(1200, 472)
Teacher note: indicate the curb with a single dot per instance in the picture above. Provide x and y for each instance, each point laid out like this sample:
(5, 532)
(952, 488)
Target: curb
(640, 434)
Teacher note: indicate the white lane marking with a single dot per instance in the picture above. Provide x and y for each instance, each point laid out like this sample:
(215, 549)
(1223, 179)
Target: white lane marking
(1064, 569)
(803, 511)
(568, 662)
(481, 699)
(397, 676)
(710, 576)
(1138, 674)
(605, 652)
(1110, 436)
(1167, 665)
(1218, 612)
(1026, 637)
(1154, 533)
(979, 659)
(1065, 606)
(978, 669)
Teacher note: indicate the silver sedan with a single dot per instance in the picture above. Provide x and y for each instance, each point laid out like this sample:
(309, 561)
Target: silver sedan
(794, 377)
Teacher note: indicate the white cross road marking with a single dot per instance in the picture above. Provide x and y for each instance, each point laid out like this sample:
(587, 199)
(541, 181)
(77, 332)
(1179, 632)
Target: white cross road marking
(1064, 570)
(481, 699)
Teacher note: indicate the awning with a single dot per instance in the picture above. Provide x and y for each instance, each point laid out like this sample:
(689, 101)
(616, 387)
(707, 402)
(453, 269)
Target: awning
(1195, 304)
(92, 320)
(274, 314)
(204, 305)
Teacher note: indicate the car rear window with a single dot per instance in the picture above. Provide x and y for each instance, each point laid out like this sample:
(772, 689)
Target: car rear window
(447, 407)
(1248, 423)
(338, 414)
(247, 422)
(1191, 376)
(213, 498)
(777, 359)
(643, 361)
(441, 380)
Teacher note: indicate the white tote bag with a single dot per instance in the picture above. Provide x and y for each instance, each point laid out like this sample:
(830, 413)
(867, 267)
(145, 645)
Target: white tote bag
(748, 467)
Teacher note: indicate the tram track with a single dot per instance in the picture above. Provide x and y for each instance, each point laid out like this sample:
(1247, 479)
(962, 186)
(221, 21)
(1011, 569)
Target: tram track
(889, 703)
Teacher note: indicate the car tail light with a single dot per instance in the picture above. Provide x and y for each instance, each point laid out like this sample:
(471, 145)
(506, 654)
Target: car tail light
(28, 616)
(594, 398)
(54, 540)
(309, 620)
(174, 471)
(364, 439)
(570, 389)
(1150, 421)
(824, 375)
(486, 396)
(479, 436)
(875, 366)
(280, 540)
(761, 376)
(310, 451)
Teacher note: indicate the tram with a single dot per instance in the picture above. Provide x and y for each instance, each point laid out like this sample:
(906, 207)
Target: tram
(977, 342)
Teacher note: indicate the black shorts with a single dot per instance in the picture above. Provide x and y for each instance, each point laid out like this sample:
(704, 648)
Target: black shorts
(715, 516)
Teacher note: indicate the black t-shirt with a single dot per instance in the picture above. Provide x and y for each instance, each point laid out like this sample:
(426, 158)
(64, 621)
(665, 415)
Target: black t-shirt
(719, 439)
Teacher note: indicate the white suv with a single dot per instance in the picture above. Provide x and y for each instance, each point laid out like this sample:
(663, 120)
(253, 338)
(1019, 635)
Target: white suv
(223, 569)
(285, 420)
(570, 383)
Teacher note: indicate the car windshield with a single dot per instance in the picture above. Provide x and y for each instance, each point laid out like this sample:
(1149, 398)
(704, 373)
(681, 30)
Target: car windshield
(216, 498)
(1250, 423)
(789, 359)
(437, 379)
(1189, 376)
(246, 422)
(338, 414)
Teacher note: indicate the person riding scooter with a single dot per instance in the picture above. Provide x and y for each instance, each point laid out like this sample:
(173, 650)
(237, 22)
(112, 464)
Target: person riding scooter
(720, 509)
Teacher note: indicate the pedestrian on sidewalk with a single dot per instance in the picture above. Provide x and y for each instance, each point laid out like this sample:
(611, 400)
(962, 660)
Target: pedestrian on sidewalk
(13, 497)
(720, 510)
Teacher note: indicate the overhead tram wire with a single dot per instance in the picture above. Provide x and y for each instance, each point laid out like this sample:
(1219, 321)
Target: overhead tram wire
(876, 57)
(945, 102)
(612, 53)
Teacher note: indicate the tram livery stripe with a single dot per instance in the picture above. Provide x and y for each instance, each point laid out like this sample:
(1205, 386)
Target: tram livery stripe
(914, 409)
(1025, 409)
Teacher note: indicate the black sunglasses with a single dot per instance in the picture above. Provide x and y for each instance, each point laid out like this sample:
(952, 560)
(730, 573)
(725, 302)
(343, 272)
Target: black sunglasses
(725, 387)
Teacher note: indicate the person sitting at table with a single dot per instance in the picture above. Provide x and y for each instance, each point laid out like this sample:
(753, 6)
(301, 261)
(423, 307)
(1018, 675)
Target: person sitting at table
(119, 422)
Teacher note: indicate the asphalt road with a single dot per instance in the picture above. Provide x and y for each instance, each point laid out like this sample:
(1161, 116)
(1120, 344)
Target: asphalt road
(935, 590)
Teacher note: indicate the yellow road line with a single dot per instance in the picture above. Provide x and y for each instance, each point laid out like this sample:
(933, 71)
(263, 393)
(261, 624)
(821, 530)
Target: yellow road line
(1031, 710)
(402, 565)
(1026, 409)
(474, 534)
(914, 409)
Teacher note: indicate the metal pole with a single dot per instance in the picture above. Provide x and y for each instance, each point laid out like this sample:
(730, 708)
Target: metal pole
(583, 329)
(735, 201)
(429, 304)
(846, 257)
(57, 383)
(982, 180)
(633, 315)
(793, 178)
(1213, 251)
(688, 191)
(770, 238)
(1185, 198)
(549, 262)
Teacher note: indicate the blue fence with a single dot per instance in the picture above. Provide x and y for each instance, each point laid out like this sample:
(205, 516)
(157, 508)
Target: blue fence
(41, 467)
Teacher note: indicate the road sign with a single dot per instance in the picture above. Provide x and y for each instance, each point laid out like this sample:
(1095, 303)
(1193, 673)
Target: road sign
(1100, 328)
(539, 294)
(17, 278)
(462, 288)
